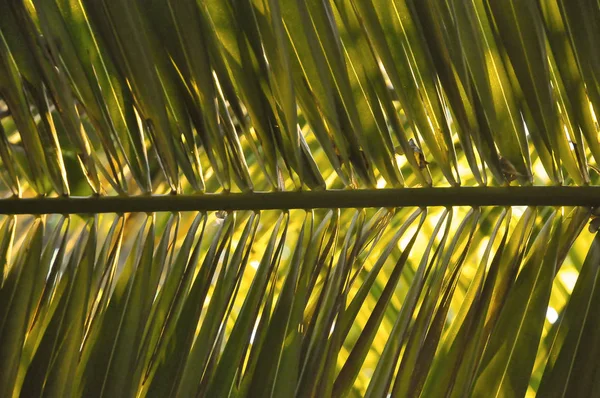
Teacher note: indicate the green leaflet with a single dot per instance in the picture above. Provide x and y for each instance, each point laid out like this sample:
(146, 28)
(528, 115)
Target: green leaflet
(455, 339)
(350, 370)
(222, 380)
(565, 372)
(16, 306)
(382, 376)
(527, 299)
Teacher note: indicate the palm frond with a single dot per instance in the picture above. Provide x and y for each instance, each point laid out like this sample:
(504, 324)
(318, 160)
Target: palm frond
(298, 198)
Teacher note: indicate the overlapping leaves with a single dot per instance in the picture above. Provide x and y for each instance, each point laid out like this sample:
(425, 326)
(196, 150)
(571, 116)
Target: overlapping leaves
(183, 96)
(138, 97)
(246, 304)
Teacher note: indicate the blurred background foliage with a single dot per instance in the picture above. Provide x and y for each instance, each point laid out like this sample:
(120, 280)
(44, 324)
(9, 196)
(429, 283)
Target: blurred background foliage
(208, 97)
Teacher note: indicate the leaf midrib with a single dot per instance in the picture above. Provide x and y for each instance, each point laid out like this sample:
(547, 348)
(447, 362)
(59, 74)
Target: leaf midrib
(360, 198)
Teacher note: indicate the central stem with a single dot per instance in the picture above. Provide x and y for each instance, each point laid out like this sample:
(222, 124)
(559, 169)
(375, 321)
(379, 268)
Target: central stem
(401, 197)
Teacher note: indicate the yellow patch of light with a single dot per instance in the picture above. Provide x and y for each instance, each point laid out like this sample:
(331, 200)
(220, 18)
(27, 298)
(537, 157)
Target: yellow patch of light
(568, 279)
(464, 169)
(331, 179)
(539, 171)
(404, 241)
(469, 272)
(254, 264)
(518, 211)
(208, 173)
(551, 315)
(254, 330)
(285, 253)
(571, 144)
(592, 112)
(400, 160)
(527, 134)
(381, 183)
(482, 246)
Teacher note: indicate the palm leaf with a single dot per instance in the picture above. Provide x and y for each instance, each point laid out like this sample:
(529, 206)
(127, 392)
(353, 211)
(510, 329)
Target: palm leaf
(299, 198)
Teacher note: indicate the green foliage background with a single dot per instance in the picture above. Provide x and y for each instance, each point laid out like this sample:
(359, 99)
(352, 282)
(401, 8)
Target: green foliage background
(217, 97)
